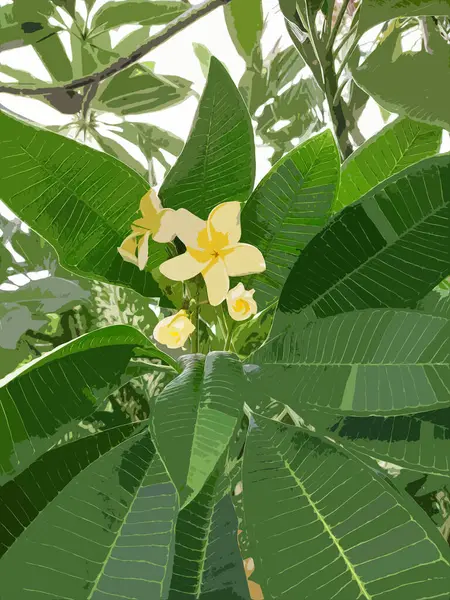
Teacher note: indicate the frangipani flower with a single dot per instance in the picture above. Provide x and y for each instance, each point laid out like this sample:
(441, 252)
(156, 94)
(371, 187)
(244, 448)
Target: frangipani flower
(213, 249)
(240, 303)
(174, 331)
(156, 221)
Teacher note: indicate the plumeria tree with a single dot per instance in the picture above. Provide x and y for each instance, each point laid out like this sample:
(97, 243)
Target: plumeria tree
(295, 379)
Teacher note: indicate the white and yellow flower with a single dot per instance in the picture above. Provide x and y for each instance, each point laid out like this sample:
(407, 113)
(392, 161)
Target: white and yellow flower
(213, 249)
(240, 302)
(173, 331)
(156, 221)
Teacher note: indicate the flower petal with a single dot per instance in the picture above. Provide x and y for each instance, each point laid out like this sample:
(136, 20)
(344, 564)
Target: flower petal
(226, 219)
(243, 259)
(150, 204)
(127, 249)
(167, 226)
(217, 282)
(189, 227)
(181, 267)
(142, 257)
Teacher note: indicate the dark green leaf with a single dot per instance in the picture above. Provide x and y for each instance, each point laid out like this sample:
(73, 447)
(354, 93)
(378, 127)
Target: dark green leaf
(323, 525)
(195, 416)
(387, 250)
(23, 498)
(217, 162)
(207, 564)
(376, 362)
(90, 541)
(80, 200)
(397, 146)
(288, 208)
(43, 399)
(420, 442)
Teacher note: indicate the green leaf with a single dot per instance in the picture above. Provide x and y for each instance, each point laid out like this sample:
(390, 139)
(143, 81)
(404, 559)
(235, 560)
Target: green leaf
(387, 250)
(323, 525)
(376, 362)
(138, 90)
(30, 492)
(110, 531)
(218, 160)
(373, 12)
(245, 25)
(19, 28)
(80, 200)
(419, 442)
(288, 208)
(391, 78)
(114, 14)
(41, 400)
(397, 146)
(207, 562)
(195, 416)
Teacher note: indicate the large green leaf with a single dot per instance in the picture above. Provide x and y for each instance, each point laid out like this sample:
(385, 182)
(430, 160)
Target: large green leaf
(391, 77)
(30, 492)
(41, 401)
(156, 12)
(109, 532)
(363, 362)
(387, 250)
(138, 90)
(288, 208)
(397, 146)
(80, 200)
(195, 417)
(207, 562)
(373, 12)
(419, 442)
(323, 525)
(218, 160)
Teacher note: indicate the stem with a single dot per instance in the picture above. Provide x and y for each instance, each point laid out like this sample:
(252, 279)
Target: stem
(229, 337)
(337, 25)
(178, 24)
(195, 339)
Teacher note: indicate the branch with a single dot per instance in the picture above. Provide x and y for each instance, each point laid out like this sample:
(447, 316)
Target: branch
(178, 24)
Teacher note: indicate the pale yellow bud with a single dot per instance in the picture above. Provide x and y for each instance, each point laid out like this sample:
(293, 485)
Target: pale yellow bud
(240, 303)
(174, 331)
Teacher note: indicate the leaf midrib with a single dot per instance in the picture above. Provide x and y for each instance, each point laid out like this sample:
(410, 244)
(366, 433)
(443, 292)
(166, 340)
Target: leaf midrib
(327, 528)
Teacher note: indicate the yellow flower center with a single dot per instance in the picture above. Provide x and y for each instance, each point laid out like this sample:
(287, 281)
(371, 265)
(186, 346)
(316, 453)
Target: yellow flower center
(241, 306)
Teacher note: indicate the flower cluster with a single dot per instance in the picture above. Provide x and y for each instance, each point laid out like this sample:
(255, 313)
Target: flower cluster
(213, 250)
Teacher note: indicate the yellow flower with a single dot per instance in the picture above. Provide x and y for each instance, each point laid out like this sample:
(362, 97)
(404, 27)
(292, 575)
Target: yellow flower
(240, 303)
(174, 331)
(212, 249)
(156, 221)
